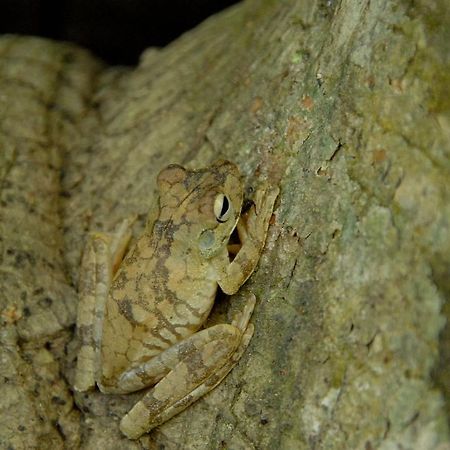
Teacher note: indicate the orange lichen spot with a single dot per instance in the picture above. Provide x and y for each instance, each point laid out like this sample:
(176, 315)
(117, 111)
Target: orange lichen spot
(256, 105)
(307, 102)
(11, 314)
(398, 85)
(370, 81)
(378, 155)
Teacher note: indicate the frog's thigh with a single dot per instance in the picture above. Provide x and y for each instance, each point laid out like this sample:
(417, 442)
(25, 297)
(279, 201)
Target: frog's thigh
(196, 373)
(150, 372)
(101, 255)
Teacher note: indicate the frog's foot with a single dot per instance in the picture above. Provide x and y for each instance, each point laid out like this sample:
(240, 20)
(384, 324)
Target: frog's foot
(242, 319)
(215, 352)
(101, 257)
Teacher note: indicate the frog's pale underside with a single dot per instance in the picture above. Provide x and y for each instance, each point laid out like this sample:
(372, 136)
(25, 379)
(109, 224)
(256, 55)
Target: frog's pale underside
(139, 317)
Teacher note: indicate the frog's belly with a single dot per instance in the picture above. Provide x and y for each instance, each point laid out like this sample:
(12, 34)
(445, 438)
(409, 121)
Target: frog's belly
(136, 329)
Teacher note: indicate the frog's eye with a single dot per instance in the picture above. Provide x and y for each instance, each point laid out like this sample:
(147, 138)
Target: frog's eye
(222, 208)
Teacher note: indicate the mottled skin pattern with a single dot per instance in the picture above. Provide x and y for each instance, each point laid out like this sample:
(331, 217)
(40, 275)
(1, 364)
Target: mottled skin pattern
(139, 317)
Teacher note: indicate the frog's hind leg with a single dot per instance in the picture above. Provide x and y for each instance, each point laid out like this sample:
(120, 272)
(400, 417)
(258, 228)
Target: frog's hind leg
(194, 375)
(101, 257)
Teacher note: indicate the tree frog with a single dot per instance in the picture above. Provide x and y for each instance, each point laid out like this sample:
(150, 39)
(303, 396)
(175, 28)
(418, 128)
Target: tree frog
(140, 317)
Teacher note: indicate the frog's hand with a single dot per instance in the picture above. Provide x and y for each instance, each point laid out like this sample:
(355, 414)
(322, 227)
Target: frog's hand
(252, 229)
(215, 353)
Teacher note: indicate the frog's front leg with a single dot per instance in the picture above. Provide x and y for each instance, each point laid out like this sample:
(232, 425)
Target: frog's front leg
(195, 366)
(252, 230)
(101, 258)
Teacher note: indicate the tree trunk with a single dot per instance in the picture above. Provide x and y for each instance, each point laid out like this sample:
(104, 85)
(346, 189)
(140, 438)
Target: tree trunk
(345, 106)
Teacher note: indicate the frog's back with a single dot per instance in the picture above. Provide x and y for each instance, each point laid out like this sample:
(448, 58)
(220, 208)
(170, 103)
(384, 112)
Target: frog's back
(155, 300)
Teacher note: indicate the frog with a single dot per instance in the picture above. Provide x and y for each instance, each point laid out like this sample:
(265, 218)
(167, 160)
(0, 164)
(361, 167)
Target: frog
(143, 307)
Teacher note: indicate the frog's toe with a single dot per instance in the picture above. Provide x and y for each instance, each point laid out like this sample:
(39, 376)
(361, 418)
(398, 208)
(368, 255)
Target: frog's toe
(242, 318)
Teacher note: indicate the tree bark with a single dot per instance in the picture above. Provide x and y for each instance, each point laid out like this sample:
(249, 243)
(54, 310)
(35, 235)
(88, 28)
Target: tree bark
(345, 106)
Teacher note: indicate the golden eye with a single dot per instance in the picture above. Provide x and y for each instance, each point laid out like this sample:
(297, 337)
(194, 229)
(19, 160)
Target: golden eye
(222, 208)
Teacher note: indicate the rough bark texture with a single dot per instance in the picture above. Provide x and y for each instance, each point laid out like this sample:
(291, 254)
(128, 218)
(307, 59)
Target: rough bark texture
(346, 106)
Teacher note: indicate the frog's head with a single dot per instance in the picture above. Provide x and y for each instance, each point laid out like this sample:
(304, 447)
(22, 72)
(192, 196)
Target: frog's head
(205, 204)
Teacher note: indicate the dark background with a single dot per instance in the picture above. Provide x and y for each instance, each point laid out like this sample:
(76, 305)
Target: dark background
(115, 30)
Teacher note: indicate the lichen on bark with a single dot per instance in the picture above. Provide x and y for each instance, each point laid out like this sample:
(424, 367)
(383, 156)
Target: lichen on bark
(345, 106)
